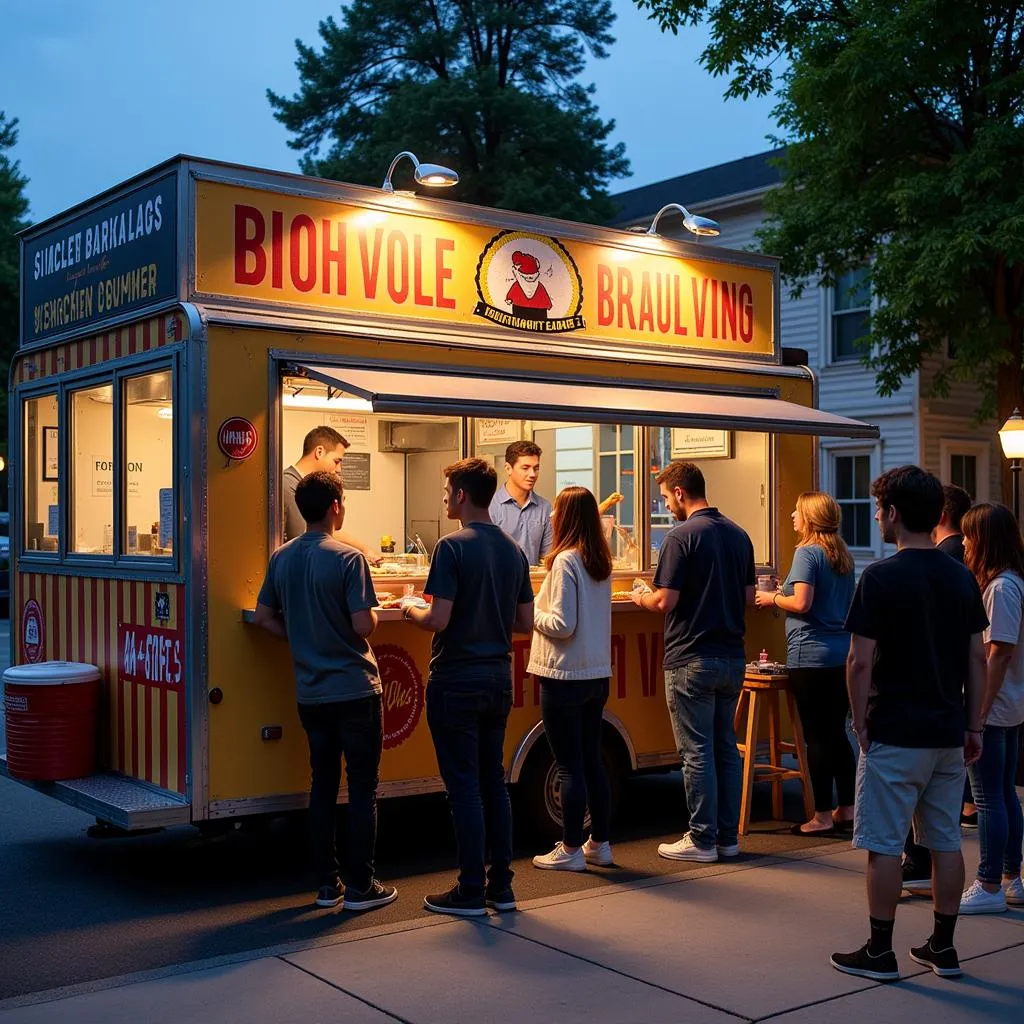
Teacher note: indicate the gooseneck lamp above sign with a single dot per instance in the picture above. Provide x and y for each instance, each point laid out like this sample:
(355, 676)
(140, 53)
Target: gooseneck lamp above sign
(703, 227)
(1011, 438)
(434, 175)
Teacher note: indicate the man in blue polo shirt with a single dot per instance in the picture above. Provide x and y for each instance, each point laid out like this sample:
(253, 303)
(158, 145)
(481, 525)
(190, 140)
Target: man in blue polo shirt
(522, 514)
(704, 583)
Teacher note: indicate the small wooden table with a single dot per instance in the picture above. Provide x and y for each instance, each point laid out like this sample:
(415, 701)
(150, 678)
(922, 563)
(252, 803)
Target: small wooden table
(763, 690)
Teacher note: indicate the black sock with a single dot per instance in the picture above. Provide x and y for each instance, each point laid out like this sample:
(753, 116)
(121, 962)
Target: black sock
(942, 937)
(881, 936)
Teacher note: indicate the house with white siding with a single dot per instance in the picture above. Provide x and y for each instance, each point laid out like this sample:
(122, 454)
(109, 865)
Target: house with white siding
(939, 434)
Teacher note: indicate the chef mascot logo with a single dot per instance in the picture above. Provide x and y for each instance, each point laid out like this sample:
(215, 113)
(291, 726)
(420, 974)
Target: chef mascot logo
(529, 283)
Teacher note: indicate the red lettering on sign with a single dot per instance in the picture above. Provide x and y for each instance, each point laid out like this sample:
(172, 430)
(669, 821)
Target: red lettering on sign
(277, 249)
(442, 247)
(619, 664)
(649, 649)
(398, 267)
(699, 310)
(417, 273)
(520, 662)
(746, 300)
(605, 301)
(371, 264)
(625, 279)
(335, 256)
(300, 252)
(247, 244)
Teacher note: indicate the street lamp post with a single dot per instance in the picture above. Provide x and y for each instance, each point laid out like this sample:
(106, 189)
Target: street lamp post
(1011, 438)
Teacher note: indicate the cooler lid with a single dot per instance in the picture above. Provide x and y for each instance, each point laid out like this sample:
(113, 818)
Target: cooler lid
(51, 673)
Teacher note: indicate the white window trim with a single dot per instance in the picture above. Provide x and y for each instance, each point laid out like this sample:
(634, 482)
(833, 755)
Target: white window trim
(829, 452)
(981, 450)
(828, 309)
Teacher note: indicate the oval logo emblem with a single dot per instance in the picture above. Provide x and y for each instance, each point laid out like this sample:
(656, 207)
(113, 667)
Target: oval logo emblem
(32, 631)
(402, 697)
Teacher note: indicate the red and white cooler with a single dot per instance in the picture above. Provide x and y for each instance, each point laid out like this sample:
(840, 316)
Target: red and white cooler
(50, 709)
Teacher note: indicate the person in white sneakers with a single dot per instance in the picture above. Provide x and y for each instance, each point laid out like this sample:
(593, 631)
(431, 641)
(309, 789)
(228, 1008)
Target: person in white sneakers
(994, 552)
(571, 658)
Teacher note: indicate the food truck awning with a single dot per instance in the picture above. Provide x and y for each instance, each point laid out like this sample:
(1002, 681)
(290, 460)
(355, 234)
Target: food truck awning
(424, 392)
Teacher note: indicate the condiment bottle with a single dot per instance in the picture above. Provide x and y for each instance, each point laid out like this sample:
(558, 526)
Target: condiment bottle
(762, 659)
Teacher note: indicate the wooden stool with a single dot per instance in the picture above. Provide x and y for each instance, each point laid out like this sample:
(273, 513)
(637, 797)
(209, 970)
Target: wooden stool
(764, 690)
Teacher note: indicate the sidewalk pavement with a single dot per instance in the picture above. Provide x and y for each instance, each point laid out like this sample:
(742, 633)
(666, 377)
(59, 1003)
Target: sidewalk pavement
(740, 940)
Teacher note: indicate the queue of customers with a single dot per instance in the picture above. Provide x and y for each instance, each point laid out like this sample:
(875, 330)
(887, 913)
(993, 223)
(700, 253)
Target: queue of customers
(931, 671)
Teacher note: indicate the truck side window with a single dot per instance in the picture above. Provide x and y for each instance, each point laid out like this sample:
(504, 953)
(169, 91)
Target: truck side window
(41, 468)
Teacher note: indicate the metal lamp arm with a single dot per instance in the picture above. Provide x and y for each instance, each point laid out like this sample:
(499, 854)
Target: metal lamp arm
(652, 230)
(387, 186)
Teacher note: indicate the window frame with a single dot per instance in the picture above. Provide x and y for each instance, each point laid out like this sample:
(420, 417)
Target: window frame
(19, 528)
(980, 450)
(114, 373)
(834, 452)
(831, 357)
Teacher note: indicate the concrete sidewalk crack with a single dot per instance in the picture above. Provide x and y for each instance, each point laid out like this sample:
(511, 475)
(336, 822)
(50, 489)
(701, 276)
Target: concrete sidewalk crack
(345, 991)
(621, 973)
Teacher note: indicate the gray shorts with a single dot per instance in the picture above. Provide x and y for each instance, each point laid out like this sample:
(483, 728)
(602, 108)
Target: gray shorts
(900, 785)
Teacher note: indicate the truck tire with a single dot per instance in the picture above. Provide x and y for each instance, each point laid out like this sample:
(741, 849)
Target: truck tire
(538, 804)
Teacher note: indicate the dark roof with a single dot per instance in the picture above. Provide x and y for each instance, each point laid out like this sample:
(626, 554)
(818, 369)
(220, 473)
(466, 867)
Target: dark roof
(744, 175)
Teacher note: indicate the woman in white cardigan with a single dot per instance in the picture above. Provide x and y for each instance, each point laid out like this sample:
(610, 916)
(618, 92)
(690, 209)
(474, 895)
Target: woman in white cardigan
(571, 658)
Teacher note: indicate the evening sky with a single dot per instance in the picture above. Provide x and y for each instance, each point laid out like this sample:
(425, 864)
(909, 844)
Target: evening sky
(104, 89)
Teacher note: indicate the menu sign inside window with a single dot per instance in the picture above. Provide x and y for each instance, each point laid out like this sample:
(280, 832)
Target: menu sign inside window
(118, 257)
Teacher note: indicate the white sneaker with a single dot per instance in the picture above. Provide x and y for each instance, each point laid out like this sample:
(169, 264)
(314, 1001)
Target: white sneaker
(729, 851)
(559, 859)
(687, 849)
(1014, 892)
(598, 853)
(976, 900)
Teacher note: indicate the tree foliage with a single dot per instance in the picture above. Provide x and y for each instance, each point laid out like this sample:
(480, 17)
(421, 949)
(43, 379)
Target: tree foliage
(905, 148)
(13, 211)
(489, 87)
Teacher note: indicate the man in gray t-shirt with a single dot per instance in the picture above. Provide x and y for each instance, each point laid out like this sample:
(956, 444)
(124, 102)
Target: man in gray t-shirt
(318, 595)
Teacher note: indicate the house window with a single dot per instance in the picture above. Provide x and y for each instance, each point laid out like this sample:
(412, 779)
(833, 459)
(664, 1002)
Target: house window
(963, 471)
(851, 313)
(966, 463)
(852, 476)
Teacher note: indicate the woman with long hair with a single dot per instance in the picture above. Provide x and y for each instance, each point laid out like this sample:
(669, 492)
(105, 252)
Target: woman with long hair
(994, 552)
(571, 658)
(816, 597)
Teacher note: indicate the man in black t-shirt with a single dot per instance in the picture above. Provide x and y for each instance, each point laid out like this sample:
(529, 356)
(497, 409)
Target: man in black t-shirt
(704, 581)
(915, 673)
(917, 863)
(479, 583)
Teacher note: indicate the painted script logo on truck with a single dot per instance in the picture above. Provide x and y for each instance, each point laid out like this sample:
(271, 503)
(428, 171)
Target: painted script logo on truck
(402, 697)
(237, 438)
(150, 655)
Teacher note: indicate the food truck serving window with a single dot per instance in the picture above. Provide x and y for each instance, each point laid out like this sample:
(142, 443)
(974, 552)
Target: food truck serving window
(148, 516)
(42, 470)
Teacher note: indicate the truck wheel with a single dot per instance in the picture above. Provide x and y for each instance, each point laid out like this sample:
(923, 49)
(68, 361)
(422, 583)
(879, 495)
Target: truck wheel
(539, 798)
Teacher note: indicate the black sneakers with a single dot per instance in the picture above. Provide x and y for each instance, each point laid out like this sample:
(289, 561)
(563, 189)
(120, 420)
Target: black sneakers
(914, 880)
(944, 962)
(377, 895)
(454, 902)
(879, 968)
(328, 895)
(501, 899)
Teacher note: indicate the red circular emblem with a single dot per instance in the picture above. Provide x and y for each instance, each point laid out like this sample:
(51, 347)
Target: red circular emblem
(402, 699)
(32, 631)
(237, 438)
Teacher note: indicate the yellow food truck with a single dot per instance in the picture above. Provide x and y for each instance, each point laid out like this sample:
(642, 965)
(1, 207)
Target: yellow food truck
(181, 334)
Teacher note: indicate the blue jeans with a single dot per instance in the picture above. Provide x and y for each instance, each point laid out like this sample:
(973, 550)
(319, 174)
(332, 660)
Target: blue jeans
(467, 723)
(1000, 821)
(352, 728)
(702, 697)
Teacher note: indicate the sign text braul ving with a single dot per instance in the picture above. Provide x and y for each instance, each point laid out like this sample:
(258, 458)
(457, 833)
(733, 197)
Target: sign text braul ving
(264, 246)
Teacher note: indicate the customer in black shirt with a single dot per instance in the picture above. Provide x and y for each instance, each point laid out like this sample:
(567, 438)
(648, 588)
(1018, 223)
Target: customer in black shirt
(917, 861)
(705, 582)
(479, 583)
(915, 673)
